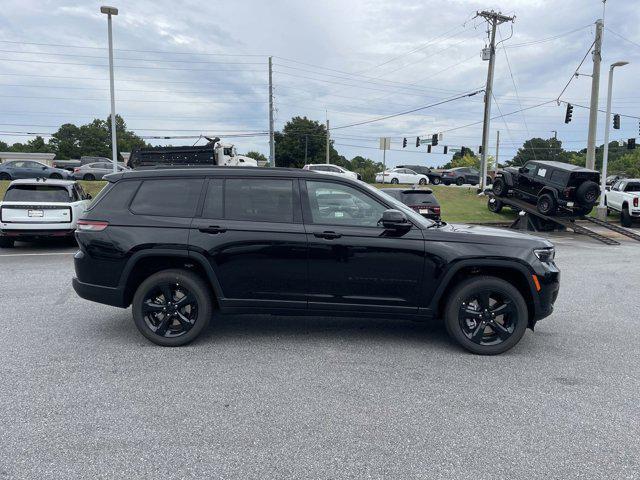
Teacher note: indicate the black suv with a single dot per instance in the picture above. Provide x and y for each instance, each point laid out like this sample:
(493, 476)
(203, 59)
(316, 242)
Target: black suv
(462, 175)
(435, 178)
(550, 186)
(179, 244)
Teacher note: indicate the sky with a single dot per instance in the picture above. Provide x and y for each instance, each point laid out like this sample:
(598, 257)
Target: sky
(189, 68)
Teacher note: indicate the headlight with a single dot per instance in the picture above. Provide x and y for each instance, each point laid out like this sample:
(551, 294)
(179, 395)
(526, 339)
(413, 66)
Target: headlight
(546, 255)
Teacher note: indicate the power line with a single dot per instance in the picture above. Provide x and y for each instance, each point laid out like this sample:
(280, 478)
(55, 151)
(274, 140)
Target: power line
(575, 74)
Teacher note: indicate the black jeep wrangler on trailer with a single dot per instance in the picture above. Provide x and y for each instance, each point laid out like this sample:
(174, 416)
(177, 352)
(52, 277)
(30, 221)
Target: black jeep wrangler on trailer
(551, 186)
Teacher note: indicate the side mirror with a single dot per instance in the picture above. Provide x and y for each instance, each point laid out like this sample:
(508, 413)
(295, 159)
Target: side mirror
(44, 168)
(88, 196)
(521, 170)
(607, 188)
(395, 220)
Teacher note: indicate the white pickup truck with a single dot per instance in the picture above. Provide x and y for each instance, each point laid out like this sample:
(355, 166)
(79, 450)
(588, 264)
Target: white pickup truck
(624, 197)
(36, 208)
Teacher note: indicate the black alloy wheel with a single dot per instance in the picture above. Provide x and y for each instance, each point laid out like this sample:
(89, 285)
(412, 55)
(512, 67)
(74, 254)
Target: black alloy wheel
(172, 307)
(546, 204)
(486, 315)
(460, 181)
(495, 205)
(499, 188)
(395, 181)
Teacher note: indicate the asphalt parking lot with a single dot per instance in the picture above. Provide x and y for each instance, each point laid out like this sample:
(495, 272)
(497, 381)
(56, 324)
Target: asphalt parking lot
(83, 395)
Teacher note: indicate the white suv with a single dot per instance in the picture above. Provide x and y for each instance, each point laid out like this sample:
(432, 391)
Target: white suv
(40, 208)
(332, 170)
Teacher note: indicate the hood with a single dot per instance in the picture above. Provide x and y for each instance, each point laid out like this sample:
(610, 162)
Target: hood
(495, 236)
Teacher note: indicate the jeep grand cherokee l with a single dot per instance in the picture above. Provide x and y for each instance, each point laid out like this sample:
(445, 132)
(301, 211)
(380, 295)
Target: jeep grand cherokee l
(179, 244)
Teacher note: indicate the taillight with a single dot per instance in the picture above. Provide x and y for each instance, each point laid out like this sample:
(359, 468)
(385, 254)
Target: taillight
(568, 192)
(76, 169)
(635, 201)
(91, 226)
(436, 210)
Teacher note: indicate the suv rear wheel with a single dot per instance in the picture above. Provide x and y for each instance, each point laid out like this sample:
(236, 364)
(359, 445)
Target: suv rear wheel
(547, 204)
(486, 315)
(499, 187)
(172, 307)
(460, 181)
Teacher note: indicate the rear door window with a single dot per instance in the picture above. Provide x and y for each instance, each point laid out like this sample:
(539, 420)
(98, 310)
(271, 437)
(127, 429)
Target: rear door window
(37, 193)
(174, 197)
(259, 200)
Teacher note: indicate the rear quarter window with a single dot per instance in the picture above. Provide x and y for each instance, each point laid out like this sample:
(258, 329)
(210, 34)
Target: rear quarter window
(175, 197)
(114, 197)
(560, 177)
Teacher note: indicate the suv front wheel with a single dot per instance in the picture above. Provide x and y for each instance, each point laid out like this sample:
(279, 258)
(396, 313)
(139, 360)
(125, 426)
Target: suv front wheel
(172, 307)
(547, 204)
(486, 315)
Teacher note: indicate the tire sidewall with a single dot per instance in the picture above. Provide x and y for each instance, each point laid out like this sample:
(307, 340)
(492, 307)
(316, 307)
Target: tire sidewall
(422, 181)
(625, 217)
(462, 292)
(549, 200)
(436, 181)
(501, 187)
(460, 181)
(195, 285)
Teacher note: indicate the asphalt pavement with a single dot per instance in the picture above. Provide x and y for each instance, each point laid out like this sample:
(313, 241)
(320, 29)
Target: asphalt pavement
(83, 395)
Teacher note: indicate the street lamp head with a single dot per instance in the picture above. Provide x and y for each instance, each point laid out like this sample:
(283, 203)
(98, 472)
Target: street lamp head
(619, 64)
(109, 10)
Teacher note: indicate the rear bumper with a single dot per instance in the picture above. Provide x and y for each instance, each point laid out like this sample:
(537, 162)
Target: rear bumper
(37, 233)
(113, 296)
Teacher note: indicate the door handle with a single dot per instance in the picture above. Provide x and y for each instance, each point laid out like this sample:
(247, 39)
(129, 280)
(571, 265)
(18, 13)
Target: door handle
(212, 229)
(327, 235)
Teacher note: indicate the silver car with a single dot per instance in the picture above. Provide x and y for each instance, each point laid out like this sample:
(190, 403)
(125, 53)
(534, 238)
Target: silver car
(95, 171)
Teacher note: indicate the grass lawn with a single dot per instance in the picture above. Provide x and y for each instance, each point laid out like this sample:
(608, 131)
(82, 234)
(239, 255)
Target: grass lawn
(459, 204)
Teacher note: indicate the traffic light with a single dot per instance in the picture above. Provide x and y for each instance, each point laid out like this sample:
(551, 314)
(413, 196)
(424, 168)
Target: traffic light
(480, 149)
(631, 144)
(446, 149)
(404, 142)
(616, 122)
(428, 148)
(569, 114)
(434, 139)
(417, 142)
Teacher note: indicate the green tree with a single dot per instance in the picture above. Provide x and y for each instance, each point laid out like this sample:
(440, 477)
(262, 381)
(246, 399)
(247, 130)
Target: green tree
(366, 167)
(468, 160)
(66, 141)
(538, 149)
(298, 133)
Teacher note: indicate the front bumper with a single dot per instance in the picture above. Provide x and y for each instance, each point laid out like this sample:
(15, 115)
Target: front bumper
(545, 298)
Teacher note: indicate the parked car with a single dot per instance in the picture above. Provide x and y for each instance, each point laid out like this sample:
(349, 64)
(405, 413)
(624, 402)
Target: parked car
(420, 200)
(332, 170)
(401, 175)
(95, 171)
(550, 186)
(624, 198)
(273, 240)
(34, 209)
(462, 175)
(435, 177)
(31, 169)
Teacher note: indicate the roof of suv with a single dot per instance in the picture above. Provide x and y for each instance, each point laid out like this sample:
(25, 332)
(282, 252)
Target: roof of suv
(208, 171)
(44, 181)
(563, 166)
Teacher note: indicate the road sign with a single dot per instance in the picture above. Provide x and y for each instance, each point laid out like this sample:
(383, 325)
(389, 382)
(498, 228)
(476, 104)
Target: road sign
(385, 143)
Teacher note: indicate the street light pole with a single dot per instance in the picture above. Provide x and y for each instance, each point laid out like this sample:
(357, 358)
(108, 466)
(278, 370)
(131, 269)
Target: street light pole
(602, 209)
(109, 11)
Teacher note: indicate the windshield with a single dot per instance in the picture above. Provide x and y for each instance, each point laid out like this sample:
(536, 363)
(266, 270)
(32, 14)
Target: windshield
(36, 193)
(414, 216)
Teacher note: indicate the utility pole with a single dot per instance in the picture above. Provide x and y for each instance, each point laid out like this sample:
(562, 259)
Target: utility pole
(109, 11)
(306, 147)
(497, 149)
(272, 147)
(494, 19)
(555, 134)
(593, 107)
(328, 141)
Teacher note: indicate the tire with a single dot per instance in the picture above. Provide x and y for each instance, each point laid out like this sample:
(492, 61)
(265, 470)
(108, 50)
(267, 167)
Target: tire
(394, 181)
(495, 205)
(422, 181)
(625, 217)
(174, 333)
(6, 242)
(499, 187)
(476, 332)
(546, 204)
(489, 181)
(55, 176)
(459, 181)
(587, 193)
(436, 181)
(5, 176)
(89, 177)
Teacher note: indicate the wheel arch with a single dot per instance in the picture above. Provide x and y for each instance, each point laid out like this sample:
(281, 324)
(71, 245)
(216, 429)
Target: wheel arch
(144, 263)
(513, 272)
(506, 176)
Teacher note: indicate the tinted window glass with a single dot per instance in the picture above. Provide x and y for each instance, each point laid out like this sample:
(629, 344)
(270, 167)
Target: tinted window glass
(37, 193)
(176, 197)
(559, 176)
(213, 199)
(633, 187)
(335, 204)
(114, 197)
(259, 200)
(418, 198)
